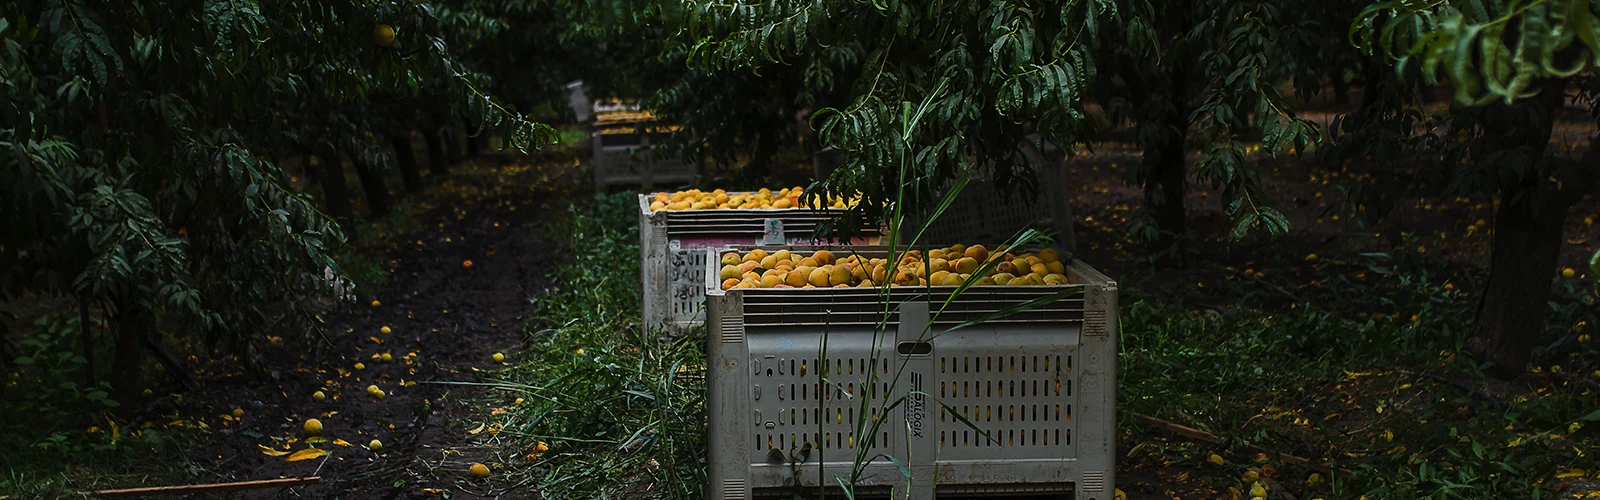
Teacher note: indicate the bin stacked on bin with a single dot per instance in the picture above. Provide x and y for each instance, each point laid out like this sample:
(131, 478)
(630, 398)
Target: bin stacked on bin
(983, 370)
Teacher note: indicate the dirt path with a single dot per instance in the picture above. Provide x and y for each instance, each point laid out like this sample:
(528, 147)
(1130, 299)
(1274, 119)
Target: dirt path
(447, 319)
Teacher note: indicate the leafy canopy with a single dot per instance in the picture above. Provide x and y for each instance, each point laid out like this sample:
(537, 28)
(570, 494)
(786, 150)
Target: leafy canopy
(990, 72)
(140, 141)
(1487, 50)
(999, 75)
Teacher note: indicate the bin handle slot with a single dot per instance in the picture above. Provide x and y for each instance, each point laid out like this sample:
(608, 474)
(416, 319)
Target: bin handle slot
(914, 348)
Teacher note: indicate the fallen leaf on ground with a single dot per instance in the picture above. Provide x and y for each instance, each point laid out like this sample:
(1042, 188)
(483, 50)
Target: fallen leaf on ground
(271, 452)
(307, 454)
(341, 442)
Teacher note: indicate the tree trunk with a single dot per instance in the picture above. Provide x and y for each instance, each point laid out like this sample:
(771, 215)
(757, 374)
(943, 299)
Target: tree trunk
(1376, 74)
(86, 337)
(307, 172)
(372, 184)
(406, 160)
(1527, 241)
(477, 141)
(452, 144)
(1167, 175)
(1164, 189)
(436, 161)
(1512, 309)
(1341, 90)
(335, 192)
(126, 362)
(1378, 82)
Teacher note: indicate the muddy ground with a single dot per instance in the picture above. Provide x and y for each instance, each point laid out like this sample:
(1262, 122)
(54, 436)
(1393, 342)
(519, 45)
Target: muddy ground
(447, 319)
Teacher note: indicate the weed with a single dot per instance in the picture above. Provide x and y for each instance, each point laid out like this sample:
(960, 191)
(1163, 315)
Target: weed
(621, 417)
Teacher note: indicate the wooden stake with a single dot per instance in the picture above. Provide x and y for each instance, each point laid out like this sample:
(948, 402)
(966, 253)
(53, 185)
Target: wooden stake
(206, 488)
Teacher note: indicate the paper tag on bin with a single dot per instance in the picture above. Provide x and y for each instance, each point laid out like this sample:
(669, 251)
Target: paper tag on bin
(772, 232)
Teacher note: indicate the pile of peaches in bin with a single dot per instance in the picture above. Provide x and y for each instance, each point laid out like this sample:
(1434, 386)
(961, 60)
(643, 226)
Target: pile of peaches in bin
(940, 267)
(764, 199)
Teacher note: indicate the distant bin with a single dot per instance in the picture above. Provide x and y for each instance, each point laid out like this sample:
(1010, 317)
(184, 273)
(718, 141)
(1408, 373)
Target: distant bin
(1041, 383)
(630, 159)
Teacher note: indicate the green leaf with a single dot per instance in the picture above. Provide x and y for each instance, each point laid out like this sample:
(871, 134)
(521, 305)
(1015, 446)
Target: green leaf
(1242, 225)
(904, 470)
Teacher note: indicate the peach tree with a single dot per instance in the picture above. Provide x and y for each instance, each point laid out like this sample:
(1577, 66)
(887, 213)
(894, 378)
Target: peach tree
(1002, 77)
(1513, 67)
(138, 142)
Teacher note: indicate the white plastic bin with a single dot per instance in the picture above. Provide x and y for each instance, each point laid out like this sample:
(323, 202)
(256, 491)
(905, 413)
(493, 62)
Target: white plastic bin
(629, 159)
(1041, 383)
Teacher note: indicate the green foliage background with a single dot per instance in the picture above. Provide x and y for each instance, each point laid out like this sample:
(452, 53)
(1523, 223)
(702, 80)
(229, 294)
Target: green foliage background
(142, 139)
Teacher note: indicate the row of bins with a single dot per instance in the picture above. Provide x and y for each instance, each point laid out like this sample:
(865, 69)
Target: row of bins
(970, 405)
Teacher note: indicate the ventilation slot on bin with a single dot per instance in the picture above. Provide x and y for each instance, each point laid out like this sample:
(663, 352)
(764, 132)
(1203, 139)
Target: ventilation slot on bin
(1094, 323)
(733, 489)
(1001, 490)
(686, 281)
(1067, 310)
(1094, 481)
(794, 408)
(733, 330)
(833, 492)
(865, 307)
(798, 224)
(1021, 403)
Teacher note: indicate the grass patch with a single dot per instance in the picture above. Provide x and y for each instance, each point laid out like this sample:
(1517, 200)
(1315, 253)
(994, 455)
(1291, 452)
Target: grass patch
(60, 435)
(572, 136)
(622, 417)
(1383, 395)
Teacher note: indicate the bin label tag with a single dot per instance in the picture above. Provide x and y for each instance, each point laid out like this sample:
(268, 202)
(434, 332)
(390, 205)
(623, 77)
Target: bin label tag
(772, 232)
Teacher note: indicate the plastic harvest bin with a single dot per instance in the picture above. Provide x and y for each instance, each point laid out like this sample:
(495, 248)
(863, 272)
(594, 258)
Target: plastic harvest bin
(1040, 383)
(629, 159)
